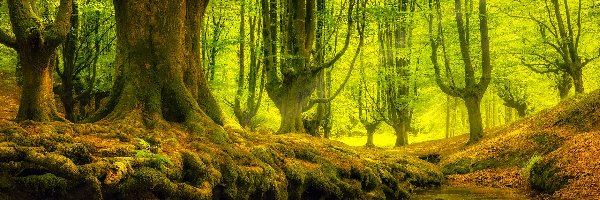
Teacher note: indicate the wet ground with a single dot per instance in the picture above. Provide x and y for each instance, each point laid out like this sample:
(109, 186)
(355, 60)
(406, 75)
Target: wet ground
(460, 192)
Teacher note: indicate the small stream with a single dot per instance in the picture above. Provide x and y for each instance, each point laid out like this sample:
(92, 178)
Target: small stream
(460, 192)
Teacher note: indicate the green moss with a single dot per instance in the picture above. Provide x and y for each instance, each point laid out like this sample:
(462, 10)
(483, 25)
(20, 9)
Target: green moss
(79, 154)
(532, 161)
(462, 166)
(262, 154)
(157, 161)
(46, 185)
(545, 178)
(194, 170)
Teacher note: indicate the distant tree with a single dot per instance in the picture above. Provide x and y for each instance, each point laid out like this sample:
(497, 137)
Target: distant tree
(248, 83)
(473, 89)
(158, 74)
(36, 43)
(560, 41)
(369, 105)
(514, 95)
(395, 43)
(91, 36)
(291, 81)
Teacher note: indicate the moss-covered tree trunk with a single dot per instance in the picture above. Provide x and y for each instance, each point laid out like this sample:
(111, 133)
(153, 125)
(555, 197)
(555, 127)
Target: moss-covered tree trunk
(67, 75)
(35, 42)
(473, 105)
(158, 74)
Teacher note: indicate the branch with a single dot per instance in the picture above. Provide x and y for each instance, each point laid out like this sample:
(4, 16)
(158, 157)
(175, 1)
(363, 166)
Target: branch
(58, 30)
(588, 60)
(8, 39)
(346, 42)
(452, 91)
(339, 90)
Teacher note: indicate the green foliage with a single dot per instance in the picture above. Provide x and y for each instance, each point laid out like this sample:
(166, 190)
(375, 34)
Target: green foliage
(529, 166)
(545, 177)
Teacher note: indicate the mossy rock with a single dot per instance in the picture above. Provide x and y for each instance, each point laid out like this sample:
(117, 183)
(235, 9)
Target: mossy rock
(44, 186)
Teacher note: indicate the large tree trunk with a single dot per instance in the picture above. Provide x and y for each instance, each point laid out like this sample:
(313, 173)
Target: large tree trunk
(158, 76)
(35, 43)
(401, 134)
(37, 98)
(475, 123)
(294, 97)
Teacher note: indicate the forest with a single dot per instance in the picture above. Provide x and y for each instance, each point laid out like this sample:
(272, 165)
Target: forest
(299, 99)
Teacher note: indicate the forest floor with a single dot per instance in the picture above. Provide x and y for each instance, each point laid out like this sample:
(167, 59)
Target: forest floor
(125, 160)
(551, 155)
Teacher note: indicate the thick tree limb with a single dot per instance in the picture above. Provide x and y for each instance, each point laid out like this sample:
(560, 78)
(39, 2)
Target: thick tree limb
(57, 31)
(8, 39)
(346, 42)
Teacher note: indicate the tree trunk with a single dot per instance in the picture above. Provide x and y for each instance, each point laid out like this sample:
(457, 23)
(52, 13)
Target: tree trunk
(370, 135)
(475, 124)
(401, 134)
(578, 81)
(521, 112)
(37, 98)
(35, 43)
(67, 75)
(448, 116)
(294, 96)
(158, 75)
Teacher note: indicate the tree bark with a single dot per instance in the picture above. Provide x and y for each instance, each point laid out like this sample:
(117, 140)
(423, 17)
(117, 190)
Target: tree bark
(577, 75)
(401, 134)
(67, 76)
(36, 43)
(158, 76)
(475, 123)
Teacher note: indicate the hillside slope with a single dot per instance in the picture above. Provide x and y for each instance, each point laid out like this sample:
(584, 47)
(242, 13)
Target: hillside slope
(552, 154)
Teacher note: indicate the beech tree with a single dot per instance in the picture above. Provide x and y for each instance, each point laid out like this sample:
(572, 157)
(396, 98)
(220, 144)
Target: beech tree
(560, 34)
(291, 80)
(158, 74)
(36, 42)
(473, 89)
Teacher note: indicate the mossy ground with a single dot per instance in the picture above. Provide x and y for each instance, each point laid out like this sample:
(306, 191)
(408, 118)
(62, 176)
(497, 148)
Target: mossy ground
(113, 160)
(125, 160)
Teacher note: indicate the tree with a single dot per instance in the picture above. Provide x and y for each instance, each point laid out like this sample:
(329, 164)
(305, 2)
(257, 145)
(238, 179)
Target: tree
(245, 115)
(561, 47)
(395, 42)
(369, 105)
(514, 95)
(90, 38)
(473, 90)
(158, 74)
(36, 44)
(291, 80)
